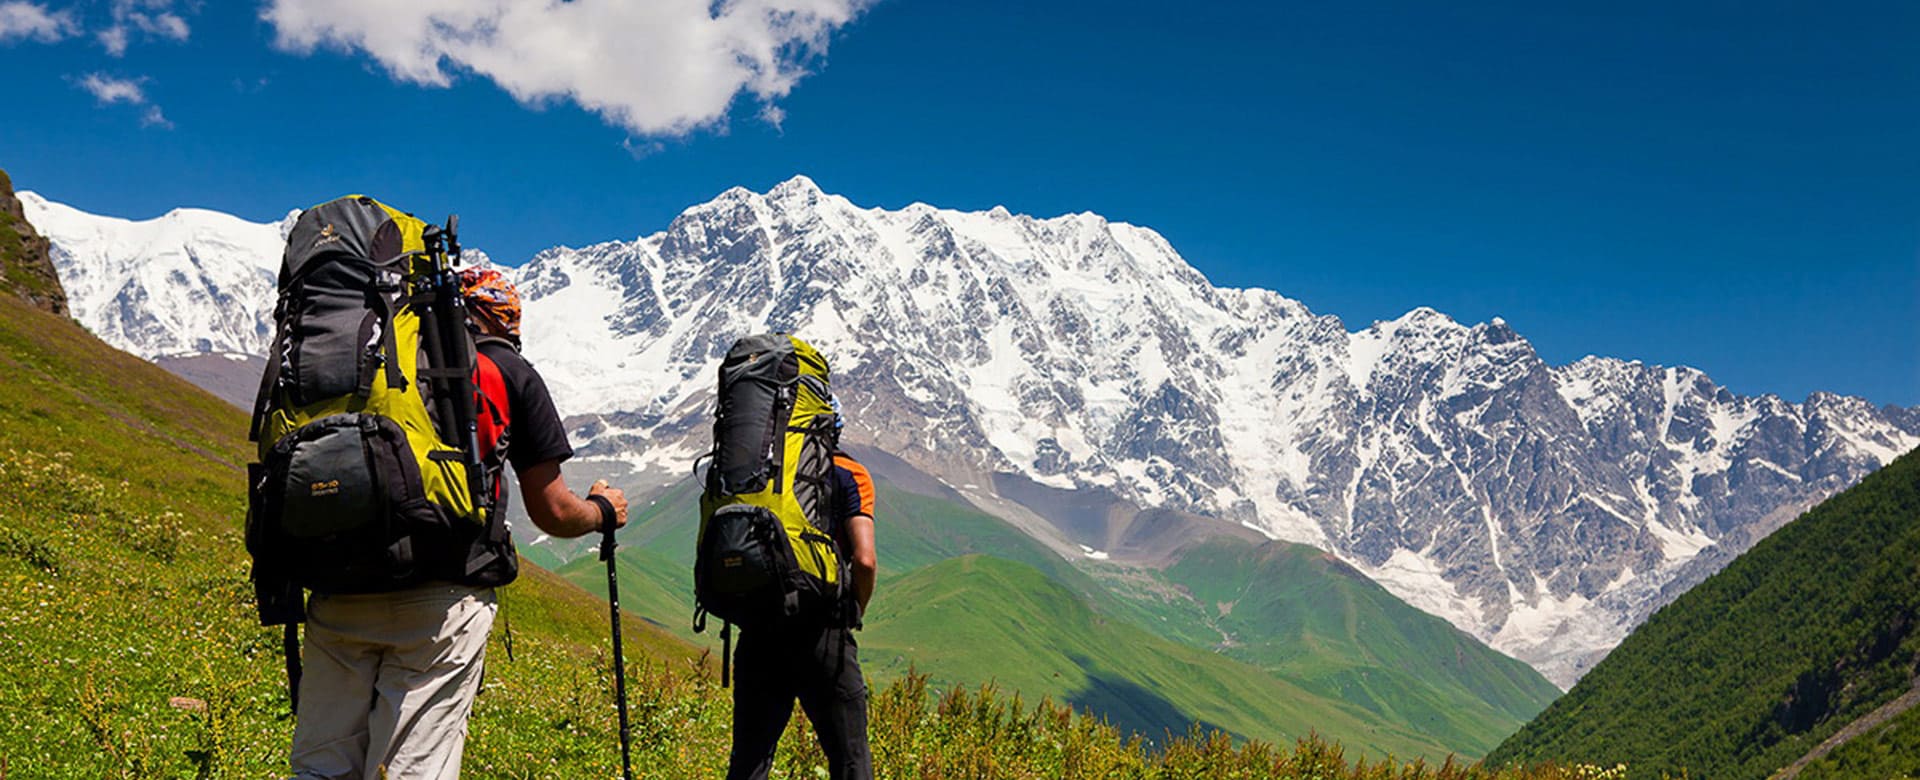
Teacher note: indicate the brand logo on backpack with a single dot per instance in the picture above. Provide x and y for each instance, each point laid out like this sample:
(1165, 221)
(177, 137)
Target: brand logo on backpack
(330, 487)
(327, 236)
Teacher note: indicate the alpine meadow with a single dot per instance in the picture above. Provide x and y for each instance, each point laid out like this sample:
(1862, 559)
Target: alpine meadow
(132, 648)
(856, 389)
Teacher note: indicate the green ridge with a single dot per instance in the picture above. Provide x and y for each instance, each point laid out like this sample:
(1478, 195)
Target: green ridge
(1811, 629)
(1304, 615)
(1891, 751)
(979, 618)
(1300, 617)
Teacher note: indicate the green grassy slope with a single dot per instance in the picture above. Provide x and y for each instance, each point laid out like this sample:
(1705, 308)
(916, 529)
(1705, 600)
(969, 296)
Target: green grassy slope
(1812, 628)
(1040, 639)
(656, 553)
(124, 585)
(1318, 625)
(1306, 616)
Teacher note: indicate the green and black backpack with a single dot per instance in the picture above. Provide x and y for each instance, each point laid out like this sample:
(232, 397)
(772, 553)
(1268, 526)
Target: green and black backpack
(372, 474)
(766, 551)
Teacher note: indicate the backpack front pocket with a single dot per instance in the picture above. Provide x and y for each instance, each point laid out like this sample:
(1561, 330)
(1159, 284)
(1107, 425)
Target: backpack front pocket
(348, 503)
(329, 485)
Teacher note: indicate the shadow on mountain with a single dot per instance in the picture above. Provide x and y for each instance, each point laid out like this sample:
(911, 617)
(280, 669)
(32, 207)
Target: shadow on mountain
(1132, 708)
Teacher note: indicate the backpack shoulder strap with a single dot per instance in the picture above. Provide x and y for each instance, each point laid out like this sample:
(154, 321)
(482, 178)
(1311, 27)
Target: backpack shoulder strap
(494, 425)
(479, 339)
(492, 387)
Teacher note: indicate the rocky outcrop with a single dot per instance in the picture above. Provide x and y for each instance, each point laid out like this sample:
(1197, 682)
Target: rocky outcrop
(26, 262)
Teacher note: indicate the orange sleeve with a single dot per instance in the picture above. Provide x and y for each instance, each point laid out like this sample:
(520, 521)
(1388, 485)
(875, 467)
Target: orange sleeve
(860, 478)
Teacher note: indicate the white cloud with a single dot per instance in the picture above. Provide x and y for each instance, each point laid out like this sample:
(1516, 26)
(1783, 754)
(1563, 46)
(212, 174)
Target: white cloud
(154, 18)
(773, 115)
(654, 67)
(114, 39)
(153, 118)
(21, 20)
(109, 90)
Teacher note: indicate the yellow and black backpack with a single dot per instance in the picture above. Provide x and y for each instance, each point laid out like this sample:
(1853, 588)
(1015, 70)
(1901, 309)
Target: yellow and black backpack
(766, 551)
(371, 477)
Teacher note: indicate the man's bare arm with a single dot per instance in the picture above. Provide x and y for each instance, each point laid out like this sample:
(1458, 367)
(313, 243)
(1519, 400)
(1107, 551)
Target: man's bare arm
(864, 560)
(556, 511)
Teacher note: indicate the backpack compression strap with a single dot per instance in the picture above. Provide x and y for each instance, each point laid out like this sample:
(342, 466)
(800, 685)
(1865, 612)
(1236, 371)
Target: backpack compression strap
(389, 355)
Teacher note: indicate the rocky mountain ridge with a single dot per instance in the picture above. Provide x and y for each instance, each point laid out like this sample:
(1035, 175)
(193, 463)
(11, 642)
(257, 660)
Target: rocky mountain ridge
(1545, 509)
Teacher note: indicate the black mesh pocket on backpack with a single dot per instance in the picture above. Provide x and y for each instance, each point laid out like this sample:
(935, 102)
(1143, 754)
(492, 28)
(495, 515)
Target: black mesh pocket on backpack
(276, 595)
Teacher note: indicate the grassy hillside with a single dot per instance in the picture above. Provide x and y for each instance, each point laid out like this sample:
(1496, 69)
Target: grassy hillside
(1042, 639)
(128, 647)
(1353, 661)
(1304, 615)
(1811, 629)
(125, 586)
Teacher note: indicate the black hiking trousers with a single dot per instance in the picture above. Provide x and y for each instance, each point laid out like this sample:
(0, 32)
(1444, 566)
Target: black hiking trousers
(818, 665)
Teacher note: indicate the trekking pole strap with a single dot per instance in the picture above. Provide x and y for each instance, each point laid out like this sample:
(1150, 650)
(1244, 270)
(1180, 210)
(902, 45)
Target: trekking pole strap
(290, 641)
(506, 621)
(726, 654)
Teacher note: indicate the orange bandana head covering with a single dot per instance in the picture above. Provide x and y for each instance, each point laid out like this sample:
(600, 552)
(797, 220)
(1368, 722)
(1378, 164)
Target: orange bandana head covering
(492, 302)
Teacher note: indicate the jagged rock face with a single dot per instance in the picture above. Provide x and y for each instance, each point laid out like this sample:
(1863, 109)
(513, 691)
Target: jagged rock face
(1545, 509)
(26, 267)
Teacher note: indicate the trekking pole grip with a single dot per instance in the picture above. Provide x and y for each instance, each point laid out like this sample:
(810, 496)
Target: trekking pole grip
(608, 516)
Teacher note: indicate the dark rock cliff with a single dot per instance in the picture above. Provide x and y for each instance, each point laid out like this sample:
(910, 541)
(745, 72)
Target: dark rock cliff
(26, 267)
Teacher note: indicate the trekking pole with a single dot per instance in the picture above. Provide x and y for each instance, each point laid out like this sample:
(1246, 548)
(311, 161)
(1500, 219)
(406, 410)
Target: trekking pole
(458, 357)
(607, 546)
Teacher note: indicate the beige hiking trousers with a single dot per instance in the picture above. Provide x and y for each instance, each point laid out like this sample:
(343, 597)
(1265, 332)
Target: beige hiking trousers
(389, 680)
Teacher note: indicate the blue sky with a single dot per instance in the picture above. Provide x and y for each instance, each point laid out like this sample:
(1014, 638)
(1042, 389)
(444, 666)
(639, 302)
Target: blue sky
(1732, 186)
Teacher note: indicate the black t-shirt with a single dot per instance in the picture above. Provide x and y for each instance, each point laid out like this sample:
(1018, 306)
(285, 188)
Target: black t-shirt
(534, 431)
(852, 495)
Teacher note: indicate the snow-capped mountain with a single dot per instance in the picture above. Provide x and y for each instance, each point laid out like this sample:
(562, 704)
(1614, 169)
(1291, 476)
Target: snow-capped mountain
(1545, 509)
(190, 281)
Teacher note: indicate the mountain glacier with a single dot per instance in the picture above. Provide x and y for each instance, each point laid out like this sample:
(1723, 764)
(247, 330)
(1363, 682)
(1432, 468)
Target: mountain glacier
(1544, 509)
